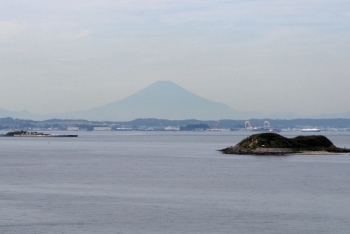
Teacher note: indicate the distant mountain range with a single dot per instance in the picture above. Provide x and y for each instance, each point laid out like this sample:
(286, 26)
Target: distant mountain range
(18, 114)
(162, 100)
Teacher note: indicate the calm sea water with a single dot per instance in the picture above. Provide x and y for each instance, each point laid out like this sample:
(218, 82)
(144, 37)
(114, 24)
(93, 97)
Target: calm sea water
(168, 182)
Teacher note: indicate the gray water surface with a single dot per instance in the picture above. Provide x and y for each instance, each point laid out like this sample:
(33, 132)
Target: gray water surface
(168, 182)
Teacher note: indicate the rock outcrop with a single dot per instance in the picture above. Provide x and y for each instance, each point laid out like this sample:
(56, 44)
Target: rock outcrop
(275, 144)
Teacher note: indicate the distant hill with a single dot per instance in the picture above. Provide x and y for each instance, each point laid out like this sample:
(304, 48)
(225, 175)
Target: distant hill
(17, 114)
(162, 100)
(333, 115)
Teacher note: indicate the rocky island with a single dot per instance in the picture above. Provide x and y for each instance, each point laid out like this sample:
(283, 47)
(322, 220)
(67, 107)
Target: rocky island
(21, 133)
(275, 144)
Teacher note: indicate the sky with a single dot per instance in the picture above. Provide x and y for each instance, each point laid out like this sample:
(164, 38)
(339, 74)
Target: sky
(253, 55)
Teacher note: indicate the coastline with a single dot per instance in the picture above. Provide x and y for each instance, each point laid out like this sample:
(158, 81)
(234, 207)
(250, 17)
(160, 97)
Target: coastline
(275, 144)
(317, 153)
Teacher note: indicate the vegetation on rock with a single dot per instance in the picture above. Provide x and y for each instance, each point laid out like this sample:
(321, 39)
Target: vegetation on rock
(275, 144)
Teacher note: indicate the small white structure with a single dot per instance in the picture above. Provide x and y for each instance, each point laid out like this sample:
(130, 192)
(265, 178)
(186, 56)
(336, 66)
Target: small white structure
(72, 128)
(171, 128)
(266, 124)
(102, 128)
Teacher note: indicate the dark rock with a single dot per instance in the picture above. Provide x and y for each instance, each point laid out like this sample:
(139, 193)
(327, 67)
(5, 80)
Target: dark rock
(275, 144)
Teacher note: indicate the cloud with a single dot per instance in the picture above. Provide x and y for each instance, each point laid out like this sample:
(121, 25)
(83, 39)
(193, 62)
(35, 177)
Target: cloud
(75, 35)
(131, 43)
(8, 30)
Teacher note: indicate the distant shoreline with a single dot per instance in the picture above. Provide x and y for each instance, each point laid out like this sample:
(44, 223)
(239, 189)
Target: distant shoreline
(318, 153)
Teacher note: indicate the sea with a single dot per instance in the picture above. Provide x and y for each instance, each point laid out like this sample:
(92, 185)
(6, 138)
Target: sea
(169, 182)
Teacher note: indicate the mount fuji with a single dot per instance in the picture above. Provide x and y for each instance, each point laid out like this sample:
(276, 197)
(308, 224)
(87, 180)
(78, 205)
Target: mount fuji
(162, 100)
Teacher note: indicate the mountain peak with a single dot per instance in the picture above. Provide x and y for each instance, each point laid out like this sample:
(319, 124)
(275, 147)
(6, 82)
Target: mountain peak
(161, 90)
(163, 85)
(163, 100)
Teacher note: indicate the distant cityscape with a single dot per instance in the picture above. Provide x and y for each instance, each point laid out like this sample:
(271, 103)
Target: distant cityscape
(151, 124)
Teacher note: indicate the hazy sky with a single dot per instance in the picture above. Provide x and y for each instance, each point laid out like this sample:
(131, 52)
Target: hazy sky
(283, 56)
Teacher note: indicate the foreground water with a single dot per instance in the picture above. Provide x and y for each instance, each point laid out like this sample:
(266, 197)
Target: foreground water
(168, 182)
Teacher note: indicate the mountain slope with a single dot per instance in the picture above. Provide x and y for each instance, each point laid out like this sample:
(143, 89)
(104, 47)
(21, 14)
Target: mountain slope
(162, 99)
(17, 114)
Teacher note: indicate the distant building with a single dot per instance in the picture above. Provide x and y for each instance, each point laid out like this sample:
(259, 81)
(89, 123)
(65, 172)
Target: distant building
(171, 128)
(102, 128)
(72, 128)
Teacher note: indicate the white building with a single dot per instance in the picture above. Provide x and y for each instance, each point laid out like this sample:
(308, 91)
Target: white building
(102, 128)
(72, 128)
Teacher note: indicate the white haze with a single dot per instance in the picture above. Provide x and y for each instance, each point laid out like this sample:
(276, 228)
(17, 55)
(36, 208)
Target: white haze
(266, 56)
